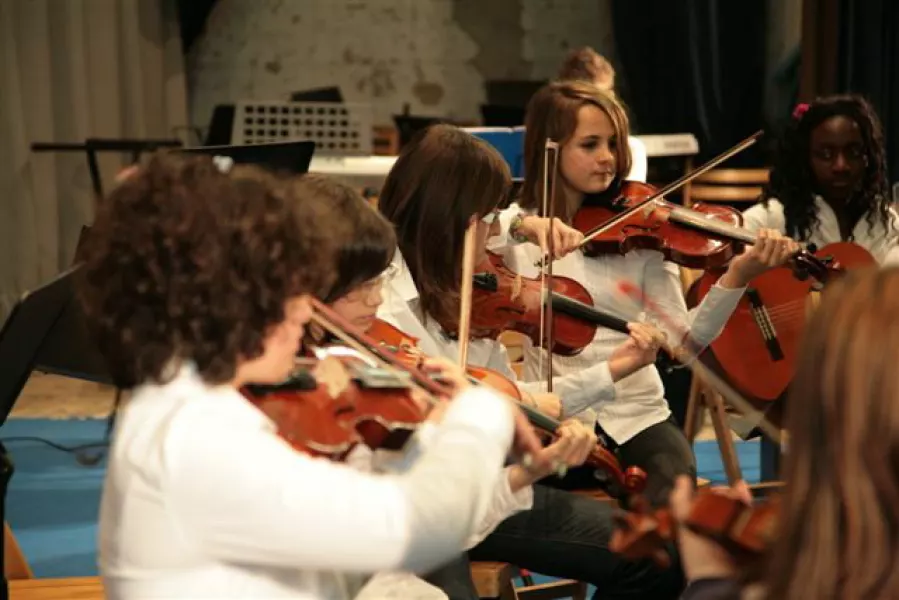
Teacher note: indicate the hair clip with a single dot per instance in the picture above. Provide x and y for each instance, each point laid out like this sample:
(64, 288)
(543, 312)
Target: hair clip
(223, 163)
(800, 110)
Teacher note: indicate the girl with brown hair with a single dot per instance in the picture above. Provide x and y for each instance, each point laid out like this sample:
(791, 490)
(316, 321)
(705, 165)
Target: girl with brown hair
(444, 181)
(837, 533)
(366, 244)
(194, 285)
(591, 129)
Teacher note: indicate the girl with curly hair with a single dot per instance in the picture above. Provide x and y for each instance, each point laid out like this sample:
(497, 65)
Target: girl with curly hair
(196, 284)
(828, 179)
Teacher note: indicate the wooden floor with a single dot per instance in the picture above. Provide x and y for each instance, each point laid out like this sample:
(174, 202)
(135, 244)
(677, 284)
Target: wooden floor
(55, 397)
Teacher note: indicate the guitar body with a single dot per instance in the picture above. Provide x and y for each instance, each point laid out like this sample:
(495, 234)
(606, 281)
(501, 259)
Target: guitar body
(758, 347)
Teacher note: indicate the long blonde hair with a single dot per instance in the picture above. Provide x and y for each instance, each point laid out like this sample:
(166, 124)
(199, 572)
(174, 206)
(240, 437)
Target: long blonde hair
(553, 114)
(838, 535)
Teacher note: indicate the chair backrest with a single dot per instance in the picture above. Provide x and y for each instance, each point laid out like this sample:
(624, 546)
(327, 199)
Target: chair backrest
(728, 186)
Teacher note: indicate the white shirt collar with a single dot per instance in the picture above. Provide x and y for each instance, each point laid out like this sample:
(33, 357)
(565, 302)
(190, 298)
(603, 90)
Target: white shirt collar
(401, 280)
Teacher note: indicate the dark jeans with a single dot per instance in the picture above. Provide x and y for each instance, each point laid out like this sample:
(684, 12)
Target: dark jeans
(564, 535)
(661, 450)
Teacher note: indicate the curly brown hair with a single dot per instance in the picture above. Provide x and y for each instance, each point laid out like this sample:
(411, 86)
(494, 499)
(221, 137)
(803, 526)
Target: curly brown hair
(186, 264)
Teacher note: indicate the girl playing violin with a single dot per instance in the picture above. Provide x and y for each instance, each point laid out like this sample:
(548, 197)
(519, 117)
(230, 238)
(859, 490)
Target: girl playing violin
(591, 128)
(196, 284)
(828, 180)
(836, 532)
(366, 245)
(443, 181)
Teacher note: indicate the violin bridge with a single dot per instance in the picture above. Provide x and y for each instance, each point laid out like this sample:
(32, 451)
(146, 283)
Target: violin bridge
(516, 287)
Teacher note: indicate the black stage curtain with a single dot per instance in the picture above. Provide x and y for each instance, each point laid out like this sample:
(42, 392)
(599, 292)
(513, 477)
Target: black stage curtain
(192, 15)
(853, 46)
(869, 63)
(694, 66)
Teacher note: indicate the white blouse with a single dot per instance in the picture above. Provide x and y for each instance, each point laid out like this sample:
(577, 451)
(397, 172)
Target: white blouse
(883, 244)
(401, 309)
(636, 402)
(203, 499)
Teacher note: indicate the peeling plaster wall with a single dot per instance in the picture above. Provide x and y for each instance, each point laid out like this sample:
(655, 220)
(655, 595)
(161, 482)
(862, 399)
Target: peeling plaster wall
(434, 55)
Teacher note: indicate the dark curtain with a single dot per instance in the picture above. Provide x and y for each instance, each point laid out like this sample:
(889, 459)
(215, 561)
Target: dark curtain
(869, 63)
(694, 66)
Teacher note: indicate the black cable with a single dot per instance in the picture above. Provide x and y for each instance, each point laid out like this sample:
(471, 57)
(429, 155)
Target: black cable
(81, 451)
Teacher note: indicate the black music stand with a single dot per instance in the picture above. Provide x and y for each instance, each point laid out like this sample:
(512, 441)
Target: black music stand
(21, 339)
(324, 94)
(291, 157)
(92, 146)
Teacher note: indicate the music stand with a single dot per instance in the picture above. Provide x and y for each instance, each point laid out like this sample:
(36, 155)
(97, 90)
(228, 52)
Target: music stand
(495, 115)
(292, 157)
(21, 338)
(92, 146)
(325, 94)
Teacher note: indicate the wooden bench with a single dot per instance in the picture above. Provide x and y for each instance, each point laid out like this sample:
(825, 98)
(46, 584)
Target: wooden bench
(71, 588)
(495, 579)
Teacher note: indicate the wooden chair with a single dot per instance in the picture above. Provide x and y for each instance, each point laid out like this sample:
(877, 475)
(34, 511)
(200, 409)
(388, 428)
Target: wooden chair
(69, 588)
(23, 585)
(726, 186)
(15, 565)
(496, 579)
(702, 398)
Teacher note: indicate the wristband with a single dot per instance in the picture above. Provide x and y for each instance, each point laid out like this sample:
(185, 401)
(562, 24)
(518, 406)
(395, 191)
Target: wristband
(514, 227)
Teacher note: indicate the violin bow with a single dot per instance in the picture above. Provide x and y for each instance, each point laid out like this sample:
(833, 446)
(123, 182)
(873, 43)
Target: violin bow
(550, 166)
(468, 257)
(698, 367)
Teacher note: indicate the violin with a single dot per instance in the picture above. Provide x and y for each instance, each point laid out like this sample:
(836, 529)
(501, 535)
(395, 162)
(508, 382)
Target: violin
(340, 399)
(745, 532)
(327, 407)
(705, 236)
(628, 481)
(502, 300)
(701, 237)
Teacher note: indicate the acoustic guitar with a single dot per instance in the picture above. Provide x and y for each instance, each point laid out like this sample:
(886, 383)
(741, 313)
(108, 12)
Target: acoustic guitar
(757, 348)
